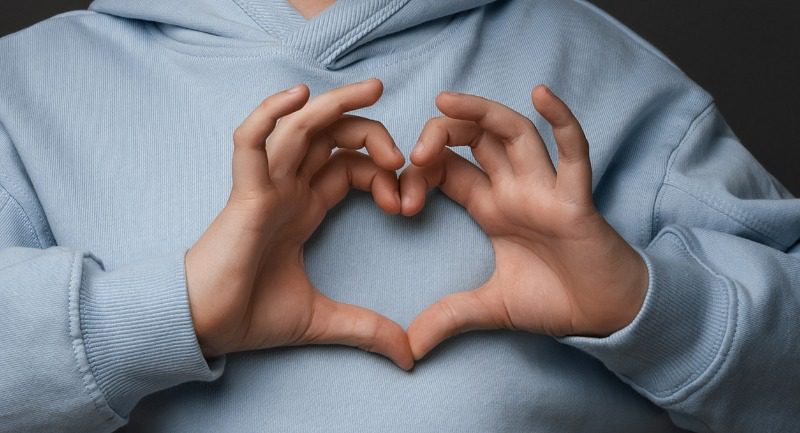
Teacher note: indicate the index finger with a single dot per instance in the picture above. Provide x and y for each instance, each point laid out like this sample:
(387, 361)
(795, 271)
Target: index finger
(290, 140)
(249, 161)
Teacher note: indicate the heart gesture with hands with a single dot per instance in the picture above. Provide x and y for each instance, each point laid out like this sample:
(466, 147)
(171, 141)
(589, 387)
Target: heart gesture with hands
(560, 268)
(247, 284)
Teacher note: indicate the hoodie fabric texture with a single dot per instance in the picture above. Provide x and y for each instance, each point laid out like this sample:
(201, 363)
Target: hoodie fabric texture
(115, 155)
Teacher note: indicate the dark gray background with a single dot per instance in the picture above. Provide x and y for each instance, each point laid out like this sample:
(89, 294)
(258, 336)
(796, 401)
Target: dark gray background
(746, 53)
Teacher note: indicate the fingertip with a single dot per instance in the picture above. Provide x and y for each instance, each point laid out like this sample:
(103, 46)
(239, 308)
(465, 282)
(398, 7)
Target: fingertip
(541, 90)
(405, 365)
(412, 205)
(297, 95)
(408, 361)
(424, 154)
(541, 96)
(417, 156)
(375, 86)
(550, 106)
(377, 81)
(405, 207)
(297, 89)
(398, 159)
(418, 348)
(386, 193)
(445, 99)
(397, 347)
(409, 186)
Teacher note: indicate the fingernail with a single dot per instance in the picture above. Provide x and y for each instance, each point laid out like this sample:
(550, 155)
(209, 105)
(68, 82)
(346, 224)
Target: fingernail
(418, 148)
(406, 202)
(451, 93)
(295, 89)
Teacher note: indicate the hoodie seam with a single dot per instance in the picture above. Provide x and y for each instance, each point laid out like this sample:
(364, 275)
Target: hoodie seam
(655, 219)
(12, 199)
(80, 345)
(294, 54)
(358, 32)
(246, 12)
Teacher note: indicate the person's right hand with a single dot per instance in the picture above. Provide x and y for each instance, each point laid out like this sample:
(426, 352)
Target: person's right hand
(247, 284)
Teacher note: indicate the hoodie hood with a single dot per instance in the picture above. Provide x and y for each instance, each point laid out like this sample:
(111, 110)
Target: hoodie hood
(331, 38)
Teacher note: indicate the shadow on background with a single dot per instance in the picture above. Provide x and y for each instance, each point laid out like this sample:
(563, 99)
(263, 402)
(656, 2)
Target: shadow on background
(745, 53)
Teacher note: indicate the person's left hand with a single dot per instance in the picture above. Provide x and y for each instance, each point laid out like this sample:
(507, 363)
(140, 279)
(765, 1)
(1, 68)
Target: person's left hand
(560, 268)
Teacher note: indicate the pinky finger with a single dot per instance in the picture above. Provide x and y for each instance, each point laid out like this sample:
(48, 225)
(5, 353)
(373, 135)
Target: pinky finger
(574, 171)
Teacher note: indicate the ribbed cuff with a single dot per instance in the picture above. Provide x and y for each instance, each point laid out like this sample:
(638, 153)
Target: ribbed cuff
(137, 330)
(682, 331)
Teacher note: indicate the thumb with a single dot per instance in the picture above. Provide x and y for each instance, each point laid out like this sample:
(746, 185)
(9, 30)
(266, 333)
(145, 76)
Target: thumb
(454, 314)
(339, 323)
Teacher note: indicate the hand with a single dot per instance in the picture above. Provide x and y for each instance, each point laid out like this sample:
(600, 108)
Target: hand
(248, 287)
(560, 268)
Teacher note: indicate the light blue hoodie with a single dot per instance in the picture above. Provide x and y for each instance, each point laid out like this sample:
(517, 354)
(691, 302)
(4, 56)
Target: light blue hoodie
(115, 151)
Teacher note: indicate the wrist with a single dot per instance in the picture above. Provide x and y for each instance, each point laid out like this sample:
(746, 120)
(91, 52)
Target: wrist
(203, 327)
(633, 286)
(625, 295)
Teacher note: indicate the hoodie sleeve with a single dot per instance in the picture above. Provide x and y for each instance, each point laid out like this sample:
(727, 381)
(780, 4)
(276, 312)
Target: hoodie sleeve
(82, 345)
(717, 341)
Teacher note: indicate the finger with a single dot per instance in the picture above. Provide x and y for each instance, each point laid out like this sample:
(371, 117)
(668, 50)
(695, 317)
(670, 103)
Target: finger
(355, 132)
(440, 132)
(250, 164)
(291, 138)
(348, 169)
(457, 178)
(319, 152)
(574, 167)
(338, 323)
(454, 314)
(526, 150)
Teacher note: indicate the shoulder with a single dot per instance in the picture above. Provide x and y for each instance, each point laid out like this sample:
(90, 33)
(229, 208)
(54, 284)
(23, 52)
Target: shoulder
(580, 30)
(51, 29)
(57, 40)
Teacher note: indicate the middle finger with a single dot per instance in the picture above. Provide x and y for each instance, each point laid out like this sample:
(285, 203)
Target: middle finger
(352, 132)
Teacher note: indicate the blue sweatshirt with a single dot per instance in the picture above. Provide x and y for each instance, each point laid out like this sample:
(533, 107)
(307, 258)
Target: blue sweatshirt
(115, 155)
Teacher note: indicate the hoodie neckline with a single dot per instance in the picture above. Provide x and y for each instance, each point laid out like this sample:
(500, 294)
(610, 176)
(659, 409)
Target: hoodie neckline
(323, 38)
(347, 32)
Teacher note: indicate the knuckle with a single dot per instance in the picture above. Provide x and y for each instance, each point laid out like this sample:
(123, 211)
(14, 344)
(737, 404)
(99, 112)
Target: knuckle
(371, 338)
(482, 210)
(298, 124)
(376, 125)
(265, 103)
(450, 314)
(332, 101)
(238, 136)
(435, 123)
(527, 123)
(253, 203)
